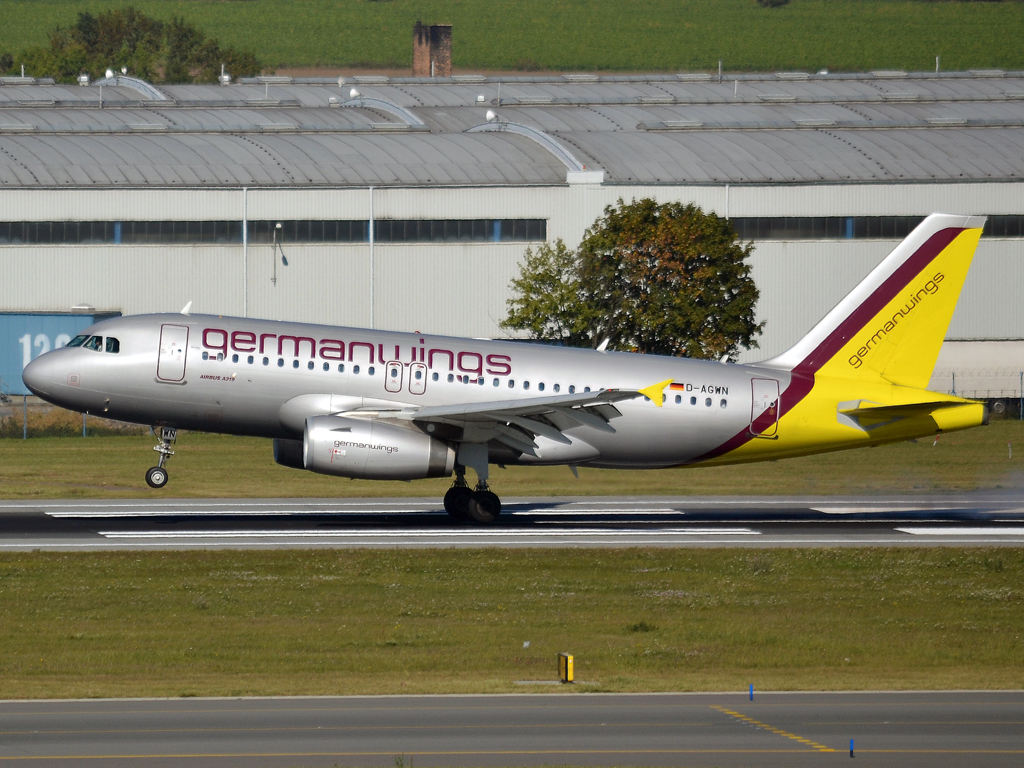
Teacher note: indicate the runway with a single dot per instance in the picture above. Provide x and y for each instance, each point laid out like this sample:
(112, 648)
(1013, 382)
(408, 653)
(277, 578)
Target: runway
(989, 519)
(979, 729)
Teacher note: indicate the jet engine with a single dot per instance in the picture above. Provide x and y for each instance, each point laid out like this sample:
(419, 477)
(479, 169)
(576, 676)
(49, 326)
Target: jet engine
(369, 449)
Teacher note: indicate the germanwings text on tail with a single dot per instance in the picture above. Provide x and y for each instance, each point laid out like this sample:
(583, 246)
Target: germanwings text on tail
(397, 406)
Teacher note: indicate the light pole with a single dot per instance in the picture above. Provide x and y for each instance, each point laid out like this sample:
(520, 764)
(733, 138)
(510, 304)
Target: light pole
(273, 253)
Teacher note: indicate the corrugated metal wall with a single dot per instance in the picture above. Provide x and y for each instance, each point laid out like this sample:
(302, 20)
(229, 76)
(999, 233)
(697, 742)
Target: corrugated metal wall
(461, 289)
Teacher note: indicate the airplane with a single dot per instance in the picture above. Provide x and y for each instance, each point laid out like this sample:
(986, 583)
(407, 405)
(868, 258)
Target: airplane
(383, 405)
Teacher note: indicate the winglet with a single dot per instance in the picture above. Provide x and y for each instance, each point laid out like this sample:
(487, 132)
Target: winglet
(186, 308)
(655, 391)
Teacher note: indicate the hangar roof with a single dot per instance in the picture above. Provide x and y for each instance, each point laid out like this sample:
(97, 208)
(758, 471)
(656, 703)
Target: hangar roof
(637, 129)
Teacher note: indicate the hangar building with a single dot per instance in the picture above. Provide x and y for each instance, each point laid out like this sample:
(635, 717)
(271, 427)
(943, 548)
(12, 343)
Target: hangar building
(402, 204)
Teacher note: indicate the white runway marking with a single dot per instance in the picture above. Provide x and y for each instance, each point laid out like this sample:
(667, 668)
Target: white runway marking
(130, 513)
(293, 534)
(954, 531)
(883, 509)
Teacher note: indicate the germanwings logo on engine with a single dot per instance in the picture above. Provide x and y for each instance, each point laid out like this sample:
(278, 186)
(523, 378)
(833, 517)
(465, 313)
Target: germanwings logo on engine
(930, 288)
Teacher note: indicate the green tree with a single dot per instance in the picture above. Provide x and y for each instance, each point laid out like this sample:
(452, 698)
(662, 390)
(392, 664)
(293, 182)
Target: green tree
(658, 279)
(547, 304)
(171, 52)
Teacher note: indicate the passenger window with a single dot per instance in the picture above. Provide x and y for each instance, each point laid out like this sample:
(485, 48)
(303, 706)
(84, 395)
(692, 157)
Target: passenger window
(394, 373)
(94, 343)
(679, 399)
(723, 403)
(572, 389)
(707, 402)
(295, 363)
(113, 345)
(266, 361)
(526, 385)
(495, 382)
(693, 401)
(206, 355)
(327, 366)
(309, 365)
(556, 387)
(433, 376)
(540, 386)
(355, 369)
(511, 383)
(370, 370)
(586, 389)
(451, 378)
(280, 362)
(77, 341)
(419, 375)
(249, 359)
(234, 358)
(341, 368)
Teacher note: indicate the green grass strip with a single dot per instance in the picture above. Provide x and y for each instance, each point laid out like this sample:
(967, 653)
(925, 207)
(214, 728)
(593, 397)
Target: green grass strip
(439, 621)
(599, 35)
(221, 466)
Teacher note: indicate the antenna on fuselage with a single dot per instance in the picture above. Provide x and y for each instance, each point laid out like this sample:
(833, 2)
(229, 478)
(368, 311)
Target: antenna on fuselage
(603, 346)
(186, 309)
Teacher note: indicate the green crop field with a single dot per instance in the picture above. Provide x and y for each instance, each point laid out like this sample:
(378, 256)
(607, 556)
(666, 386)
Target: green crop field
(598, 35)
(234, 467)
(440, 621)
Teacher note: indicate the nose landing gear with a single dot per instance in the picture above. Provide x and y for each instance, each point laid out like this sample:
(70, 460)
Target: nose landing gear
(156, 477)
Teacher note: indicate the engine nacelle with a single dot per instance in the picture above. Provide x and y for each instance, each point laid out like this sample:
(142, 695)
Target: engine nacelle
(373, 450)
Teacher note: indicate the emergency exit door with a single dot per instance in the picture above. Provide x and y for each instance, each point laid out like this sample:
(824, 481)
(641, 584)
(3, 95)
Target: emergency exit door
(764, 411)
(173, 348)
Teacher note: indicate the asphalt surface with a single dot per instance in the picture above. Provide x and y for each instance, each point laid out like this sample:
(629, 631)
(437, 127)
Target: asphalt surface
(782, 729)
(899, 520)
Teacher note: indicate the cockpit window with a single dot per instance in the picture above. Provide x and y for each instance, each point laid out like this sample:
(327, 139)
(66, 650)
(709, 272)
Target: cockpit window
(113, 345)
(94, 342)
(78, 340)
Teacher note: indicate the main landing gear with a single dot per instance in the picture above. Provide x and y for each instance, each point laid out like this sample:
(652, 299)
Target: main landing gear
(156, 477)
(463, 503)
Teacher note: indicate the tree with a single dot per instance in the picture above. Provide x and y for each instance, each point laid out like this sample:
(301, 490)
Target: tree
(658, 279)
(171, 52)
(548, 304)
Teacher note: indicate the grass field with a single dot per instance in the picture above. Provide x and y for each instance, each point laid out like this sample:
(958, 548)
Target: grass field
(220, 466)
(347, 622)
(608, 35)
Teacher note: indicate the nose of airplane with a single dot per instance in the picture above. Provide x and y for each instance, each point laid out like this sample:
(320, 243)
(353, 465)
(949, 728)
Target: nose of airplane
(37, 375)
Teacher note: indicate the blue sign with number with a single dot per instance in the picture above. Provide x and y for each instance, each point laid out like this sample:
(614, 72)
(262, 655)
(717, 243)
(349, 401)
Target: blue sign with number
(24, 337)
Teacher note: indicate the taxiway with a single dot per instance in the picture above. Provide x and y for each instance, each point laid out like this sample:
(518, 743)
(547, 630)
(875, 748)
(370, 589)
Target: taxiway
(933, 729)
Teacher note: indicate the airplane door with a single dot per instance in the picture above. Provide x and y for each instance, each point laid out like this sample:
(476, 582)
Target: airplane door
(764, 413)
(173, 348)
(417, 379)
(393, 374)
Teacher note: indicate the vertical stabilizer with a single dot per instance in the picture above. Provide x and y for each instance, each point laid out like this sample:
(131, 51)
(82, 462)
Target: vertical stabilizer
(893, 323)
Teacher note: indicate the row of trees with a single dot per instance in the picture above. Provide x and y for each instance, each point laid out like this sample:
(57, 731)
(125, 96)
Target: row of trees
(157, 51)
(659, 279)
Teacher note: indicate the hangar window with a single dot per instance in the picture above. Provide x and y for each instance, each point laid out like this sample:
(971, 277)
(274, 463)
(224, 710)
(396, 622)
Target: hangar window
(459, 230)
(262, 232)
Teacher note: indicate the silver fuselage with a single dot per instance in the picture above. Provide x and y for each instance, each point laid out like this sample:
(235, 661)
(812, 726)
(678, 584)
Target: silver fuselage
(238, 376)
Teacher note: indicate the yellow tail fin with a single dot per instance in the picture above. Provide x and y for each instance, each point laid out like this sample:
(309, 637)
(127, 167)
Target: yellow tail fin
(893, 324)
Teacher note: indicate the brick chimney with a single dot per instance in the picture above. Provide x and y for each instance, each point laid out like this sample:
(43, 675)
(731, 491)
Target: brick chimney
(432, 50)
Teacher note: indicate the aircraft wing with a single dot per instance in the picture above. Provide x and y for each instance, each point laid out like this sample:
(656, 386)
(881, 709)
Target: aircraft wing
(516, 423)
